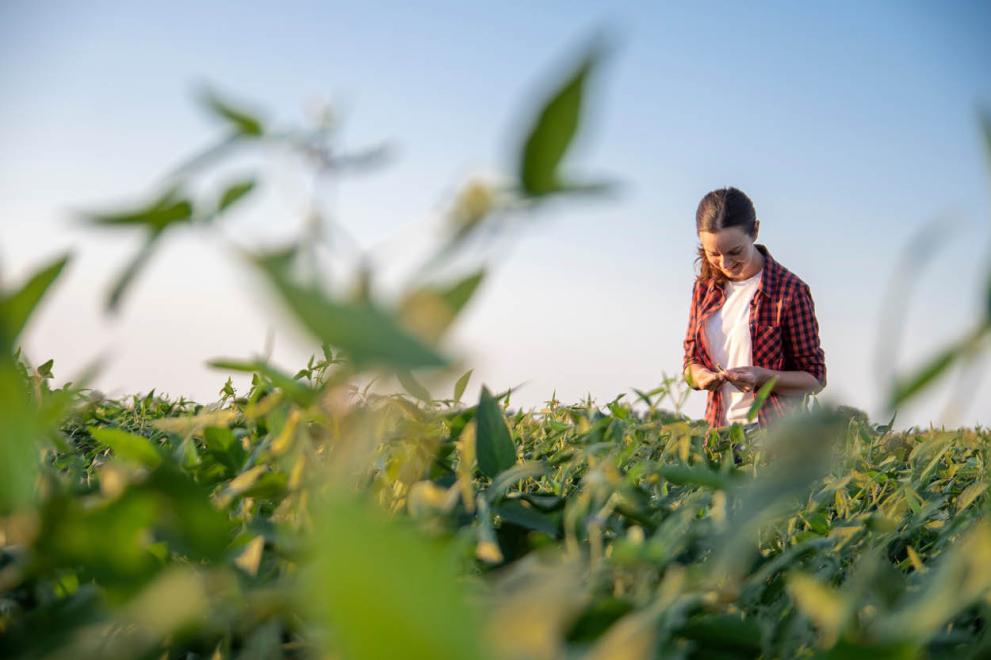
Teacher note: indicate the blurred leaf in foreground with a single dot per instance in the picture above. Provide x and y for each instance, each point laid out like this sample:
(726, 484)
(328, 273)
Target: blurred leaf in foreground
(383, 590)
(241, 121)
(553, 130)
(367, 333)
(17, 306)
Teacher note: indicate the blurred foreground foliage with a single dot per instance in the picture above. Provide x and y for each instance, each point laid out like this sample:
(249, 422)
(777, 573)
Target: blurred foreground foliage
(309, 516)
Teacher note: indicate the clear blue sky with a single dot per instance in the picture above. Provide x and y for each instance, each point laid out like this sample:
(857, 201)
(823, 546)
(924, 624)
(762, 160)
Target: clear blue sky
(850, 124)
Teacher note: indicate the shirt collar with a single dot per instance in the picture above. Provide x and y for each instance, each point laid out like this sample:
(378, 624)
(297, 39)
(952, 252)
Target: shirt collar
(769, 282)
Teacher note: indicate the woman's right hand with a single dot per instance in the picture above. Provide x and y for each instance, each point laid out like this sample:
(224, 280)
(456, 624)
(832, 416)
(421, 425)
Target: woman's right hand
(705, 379)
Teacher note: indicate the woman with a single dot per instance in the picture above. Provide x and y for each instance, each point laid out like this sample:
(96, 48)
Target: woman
(751, 319)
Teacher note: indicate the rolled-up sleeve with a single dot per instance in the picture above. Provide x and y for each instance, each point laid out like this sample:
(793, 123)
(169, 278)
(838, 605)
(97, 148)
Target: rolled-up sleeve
(801, 336)
(689, 343)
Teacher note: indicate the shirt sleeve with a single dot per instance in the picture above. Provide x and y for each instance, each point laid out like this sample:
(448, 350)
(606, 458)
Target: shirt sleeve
(801, 336)
(689, 343)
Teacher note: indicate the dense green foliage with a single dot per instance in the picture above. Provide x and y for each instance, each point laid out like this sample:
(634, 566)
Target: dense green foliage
(167, 526)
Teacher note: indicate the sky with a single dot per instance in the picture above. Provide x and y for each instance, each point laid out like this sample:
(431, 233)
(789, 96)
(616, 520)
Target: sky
(853, 127)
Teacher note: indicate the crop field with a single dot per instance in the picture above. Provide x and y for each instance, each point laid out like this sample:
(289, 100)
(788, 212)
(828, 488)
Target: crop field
(168, 529)
(306, 514)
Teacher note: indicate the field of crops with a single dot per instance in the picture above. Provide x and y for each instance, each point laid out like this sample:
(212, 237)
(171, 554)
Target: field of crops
(168, 529)
(309, 515)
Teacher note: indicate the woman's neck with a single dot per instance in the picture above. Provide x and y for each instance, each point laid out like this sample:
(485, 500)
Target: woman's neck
(756, 267)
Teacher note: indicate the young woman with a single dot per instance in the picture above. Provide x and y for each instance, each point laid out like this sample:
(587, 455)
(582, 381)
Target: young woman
(751, 319)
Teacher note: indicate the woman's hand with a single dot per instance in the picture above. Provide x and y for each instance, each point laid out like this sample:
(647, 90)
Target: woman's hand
(747, 379)
(704, 379)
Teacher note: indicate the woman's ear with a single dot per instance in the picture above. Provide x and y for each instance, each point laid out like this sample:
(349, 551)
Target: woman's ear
(756, 228)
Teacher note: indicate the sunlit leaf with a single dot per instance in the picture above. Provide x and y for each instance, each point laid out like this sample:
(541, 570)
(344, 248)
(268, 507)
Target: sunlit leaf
(553, 130)
(411, 385)
(461, 384)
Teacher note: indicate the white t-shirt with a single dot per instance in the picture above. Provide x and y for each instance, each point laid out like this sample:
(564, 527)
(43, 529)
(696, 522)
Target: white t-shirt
(728, 334)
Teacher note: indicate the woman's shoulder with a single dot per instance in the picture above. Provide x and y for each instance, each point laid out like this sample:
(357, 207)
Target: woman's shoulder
(785, 282)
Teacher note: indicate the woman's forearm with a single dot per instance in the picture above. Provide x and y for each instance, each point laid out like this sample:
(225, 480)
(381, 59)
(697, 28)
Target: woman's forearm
(793, 382)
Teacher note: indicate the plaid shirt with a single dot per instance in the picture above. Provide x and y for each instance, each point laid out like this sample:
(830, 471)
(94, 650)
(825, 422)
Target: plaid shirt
(784, 334)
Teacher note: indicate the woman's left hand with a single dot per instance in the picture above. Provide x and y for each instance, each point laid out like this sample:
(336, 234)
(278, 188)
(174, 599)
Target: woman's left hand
(748, 379)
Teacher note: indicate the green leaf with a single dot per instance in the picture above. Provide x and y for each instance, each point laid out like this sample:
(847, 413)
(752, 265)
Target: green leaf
(459, 387)
(241, 121)
(16, 308)
(694, 475)
(367, 333)
(45, 370)
(906, 388)
(728, 632)
(413, 386)
(130, 272)
(19, 433)
(760, 398)
(493, 445)
(234, 193)
(969, 494)
(168, 209)
(384, 591)
(553, 130)
(508, 478)
(294, 389)
(458, 295)
(526, 516)
(128, 446)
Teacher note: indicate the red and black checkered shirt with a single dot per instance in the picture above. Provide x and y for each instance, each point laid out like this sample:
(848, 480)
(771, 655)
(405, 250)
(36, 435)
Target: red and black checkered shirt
(784, 334)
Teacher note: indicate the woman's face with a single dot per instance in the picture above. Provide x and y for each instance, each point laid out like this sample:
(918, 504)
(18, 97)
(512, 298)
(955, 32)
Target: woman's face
(732, 251)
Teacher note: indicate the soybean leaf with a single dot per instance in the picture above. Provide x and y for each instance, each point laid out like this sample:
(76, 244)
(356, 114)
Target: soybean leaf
(18, 439)
(493, 445)
(368, 334)
(243, 123)
(128, 446)
(528, 517)
(457, 295)
(234, 193)
(169, 208)
(430, 311)
(906, 388)
(16, 308)
(45, 369)
(513, 475)
(760, 398)
(459, 387)
(294, 389)
(553, 130)
(371, 574)
(694, 475)
(130, 272)
(413, 386)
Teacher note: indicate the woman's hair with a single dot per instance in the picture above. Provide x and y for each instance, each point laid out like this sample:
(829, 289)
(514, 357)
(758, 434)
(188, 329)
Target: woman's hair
(719, 209)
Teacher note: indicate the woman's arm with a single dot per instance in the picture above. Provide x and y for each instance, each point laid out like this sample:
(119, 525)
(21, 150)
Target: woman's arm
(800, 334)
(689, 343)
(751, 379)
(791, 382)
